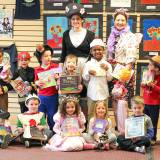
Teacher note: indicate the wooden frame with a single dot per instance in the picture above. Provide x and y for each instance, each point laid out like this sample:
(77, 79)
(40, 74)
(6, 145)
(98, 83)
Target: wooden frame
(148, 6)
(54, 26)
(150, 45)
(132, 21)
(111, 5)
(141, 67)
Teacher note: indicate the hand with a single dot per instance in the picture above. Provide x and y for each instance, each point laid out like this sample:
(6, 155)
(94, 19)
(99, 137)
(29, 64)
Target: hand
(29, 88)
(92, 72)
(40, 127)
(104, 66)
(56, 76)
(40, 83)
(1, 91)
(80, 87)
(20, 130)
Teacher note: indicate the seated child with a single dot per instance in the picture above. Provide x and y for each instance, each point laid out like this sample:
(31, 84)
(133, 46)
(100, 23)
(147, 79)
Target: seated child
(32, 120)
(100, 128)
(5, 130)
(138, 144)
(69, 125)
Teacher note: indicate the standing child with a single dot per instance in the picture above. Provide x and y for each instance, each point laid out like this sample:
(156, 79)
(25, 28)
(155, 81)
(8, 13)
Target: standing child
(48, 95)
(138, 144)
(151, 94)
(27, 74)
(4, 84)
(97, 72)
(100, 128)
(32, 120)
(69, 125)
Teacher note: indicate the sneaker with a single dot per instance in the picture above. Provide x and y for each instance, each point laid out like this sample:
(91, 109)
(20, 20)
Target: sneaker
(5, 141)
(140, 149)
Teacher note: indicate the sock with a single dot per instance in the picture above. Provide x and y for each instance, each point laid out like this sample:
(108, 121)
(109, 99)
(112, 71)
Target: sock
(106, 146)
(89, 146)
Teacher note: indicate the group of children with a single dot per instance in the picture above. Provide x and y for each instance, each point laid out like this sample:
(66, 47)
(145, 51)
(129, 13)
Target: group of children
(68, 121)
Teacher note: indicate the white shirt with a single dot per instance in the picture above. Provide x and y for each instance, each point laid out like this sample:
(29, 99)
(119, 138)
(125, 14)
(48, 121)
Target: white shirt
(97, 86)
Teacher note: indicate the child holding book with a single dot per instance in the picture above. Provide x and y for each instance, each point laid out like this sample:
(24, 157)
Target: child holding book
(138, 144)
(69, 125)
(48, 94)
(26, 73)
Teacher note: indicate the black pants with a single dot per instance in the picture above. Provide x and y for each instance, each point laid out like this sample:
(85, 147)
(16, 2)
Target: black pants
(129, 145)
(23, 107)
(153, 112)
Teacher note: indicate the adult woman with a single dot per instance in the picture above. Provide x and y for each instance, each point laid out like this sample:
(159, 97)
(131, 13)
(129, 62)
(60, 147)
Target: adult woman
(122, 43)
(77, 39)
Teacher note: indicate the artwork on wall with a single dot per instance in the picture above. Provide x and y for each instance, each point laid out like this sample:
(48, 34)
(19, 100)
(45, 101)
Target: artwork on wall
(56, 4)
(6, 23)
(150, 28)
(94, 23)
(148, 5)
(54, 27)
(141, 68)
(91, 5)
(131, 21)
(114, 4)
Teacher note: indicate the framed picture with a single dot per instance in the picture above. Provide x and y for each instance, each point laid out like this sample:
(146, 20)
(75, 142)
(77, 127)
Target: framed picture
(93, 22)
(148, 5)
(150, 45)
(132, 21)
(56, 4)
(54, 27)
(6, 23)
(141, 68)
(91, 5)
(111, 5)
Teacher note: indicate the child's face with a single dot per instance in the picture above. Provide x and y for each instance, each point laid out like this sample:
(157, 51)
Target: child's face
(101, 110)
(97, 52)
(33, 105)
(24, 63)
(46, 58)
(70, 108)
(151, 67)
(71, 64)
(138, 109)
(1, 57)
(120, 22)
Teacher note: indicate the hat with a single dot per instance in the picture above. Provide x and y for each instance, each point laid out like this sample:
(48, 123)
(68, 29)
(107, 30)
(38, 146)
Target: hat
(24, 56)
(156, 59)
(75, 8)
(32, 96)
(97, 42)
(4, 115)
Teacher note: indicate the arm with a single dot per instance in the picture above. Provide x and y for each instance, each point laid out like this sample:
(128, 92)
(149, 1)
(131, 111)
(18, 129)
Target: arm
(85, 73)
(91, 124)
(109, 72)
(82, 121)
(57, 126)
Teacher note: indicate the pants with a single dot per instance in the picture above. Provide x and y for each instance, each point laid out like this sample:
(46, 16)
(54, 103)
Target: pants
(23, 107)
(4, 102)
(49, 106)
(129, 145)
(153, 112)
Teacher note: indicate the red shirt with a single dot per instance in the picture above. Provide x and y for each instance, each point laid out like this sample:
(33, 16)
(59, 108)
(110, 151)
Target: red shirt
(50, 90)
(152, 95)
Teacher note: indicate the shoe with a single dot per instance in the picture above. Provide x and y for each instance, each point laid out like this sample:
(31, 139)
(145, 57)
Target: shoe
(153, 142)
(5, 142)
(140, 149)
(4, 115)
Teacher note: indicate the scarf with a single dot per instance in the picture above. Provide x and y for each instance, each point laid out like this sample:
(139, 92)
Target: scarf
(111, 43)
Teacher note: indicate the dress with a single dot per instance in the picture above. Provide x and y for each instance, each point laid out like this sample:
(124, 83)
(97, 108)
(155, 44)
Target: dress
(68, 133)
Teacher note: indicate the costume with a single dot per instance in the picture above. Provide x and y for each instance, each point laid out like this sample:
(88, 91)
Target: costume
(48, 96)
(68, 131)
(97, 85)
(128, 144)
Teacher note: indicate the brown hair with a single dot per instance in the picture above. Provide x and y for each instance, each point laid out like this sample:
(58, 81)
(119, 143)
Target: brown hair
(121, 11)
(64, 104)
(1, 51)
(156, 64)
(137, 100)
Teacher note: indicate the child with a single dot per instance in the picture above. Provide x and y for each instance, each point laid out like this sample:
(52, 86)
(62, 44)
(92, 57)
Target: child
(4, 85)
(151, 93)
(138, 144)
(32, 120)
(69, 125)
(118, 94)
(48, 95)
(5, 130)
(27, 74)
(100, 128)
(97, 71)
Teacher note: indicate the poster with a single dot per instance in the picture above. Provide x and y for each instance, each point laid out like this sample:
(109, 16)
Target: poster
(94, 24)
(115, 4)
(150, 28)
(54, 27)
(6, 23)
(148, 5)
